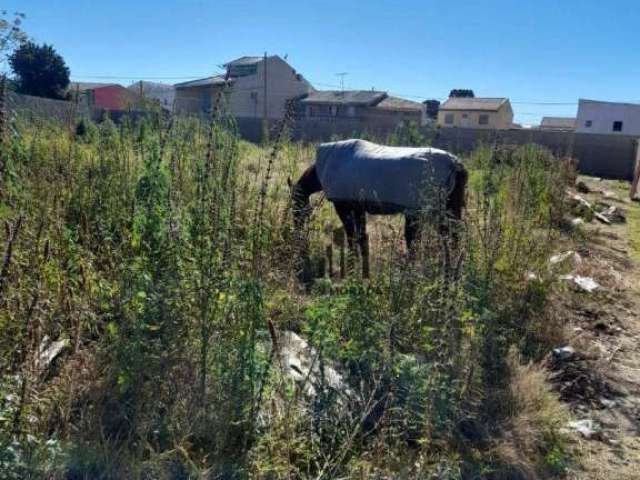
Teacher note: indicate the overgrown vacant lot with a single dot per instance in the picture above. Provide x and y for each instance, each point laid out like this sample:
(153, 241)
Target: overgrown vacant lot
(152, 324)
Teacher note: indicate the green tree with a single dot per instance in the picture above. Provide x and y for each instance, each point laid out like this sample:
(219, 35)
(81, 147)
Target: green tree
(39, 70)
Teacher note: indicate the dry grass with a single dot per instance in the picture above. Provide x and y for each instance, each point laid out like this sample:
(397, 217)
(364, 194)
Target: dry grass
(531, 447)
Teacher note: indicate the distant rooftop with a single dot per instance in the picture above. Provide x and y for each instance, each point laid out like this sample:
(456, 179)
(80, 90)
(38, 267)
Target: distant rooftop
(564, 123)
(473, 103)
(84, 86)
(243, 61)
(604, 102)
(202, 82)
(396, 103)
(346, 97)
(149, 86)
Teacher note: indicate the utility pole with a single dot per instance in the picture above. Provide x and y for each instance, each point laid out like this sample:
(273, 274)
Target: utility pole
(342, 75)
(265, 113)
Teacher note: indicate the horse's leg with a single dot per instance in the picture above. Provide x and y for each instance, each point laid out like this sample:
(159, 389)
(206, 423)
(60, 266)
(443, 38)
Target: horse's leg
(411, 230)
(363, 240)
(347, 216)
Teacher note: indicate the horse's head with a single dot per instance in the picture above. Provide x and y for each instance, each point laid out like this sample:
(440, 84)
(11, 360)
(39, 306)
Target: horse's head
(299, 194)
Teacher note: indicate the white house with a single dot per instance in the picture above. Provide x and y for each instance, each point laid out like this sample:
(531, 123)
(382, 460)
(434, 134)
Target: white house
(595, 116)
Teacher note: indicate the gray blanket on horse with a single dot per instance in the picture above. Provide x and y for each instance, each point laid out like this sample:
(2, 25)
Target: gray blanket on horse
(357, 170)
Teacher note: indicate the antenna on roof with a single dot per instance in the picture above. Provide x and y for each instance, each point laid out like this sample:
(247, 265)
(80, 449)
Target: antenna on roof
(342, 75)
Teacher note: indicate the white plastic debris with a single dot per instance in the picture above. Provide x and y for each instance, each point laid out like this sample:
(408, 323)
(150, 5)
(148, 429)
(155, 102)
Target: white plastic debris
(609, 194)
(301, 363)
(564, 353)
(587, 284)
(586, 427)
(577, 221)
(607, 403)
(49, 351)
(610, 215)
(532, 276)
(561, 257)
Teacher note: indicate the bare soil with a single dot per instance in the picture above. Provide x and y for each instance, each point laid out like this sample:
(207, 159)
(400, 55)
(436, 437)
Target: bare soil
(601, 382)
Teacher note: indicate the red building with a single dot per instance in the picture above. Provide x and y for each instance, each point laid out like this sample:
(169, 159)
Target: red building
(107, 96)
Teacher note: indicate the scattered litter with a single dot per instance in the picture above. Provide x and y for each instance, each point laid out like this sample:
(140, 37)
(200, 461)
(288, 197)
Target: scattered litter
(580, 206)
(300, 362)
(582, 187)
(532, 276)
(611, 215)
(564, 353)
(586, 427)
(606, 403)
(577, 221)
(609, 194)
(48, 352)
(561, 257)
(587, 284)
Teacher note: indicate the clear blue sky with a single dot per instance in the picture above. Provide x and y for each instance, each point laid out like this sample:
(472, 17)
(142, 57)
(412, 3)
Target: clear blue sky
(530, 51)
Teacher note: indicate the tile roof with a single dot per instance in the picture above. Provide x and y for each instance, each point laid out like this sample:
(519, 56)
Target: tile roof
(396, 103)
(558, 122)
(351, 97)
(473, 103)
(202, 82)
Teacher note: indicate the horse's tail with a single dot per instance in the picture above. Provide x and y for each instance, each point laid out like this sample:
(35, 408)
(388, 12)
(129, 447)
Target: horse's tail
(457, 198)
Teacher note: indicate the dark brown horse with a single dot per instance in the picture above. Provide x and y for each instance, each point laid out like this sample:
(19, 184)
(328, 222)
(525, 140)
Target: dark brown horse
(389, 173)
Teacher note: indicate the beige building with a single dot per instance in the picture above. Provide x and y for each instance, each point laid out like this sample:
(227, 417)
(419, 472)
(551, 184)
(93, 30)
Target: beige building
(366, 105)
(558, 123)
(247, 81)
(476, 112)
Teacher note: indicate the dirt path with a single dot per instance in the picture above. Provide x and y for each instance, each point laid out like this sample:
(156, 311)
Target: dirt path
(601, 381)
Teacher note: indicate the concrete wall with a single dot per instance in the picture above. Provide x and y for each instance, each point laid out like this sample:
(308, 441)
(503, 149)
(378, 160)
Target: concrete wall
(38, 108)
(603, 114)
(326, 129)
(610, 156)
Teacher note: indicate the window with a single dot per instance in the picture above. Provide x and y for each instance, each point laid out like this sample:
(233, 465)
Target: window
(617, 126)
(483, 119)
(588, 123)
(333, 110)
(351, 111)
(448, 118)
(464, 115)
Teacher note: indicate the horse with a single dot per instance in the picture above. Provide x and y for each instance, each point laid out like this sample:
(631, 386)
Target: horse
(361, 177)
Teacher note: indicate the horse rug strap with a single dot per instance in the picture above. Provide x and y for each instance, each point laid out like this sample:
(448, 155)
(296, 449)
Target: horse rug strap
(405, 177)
